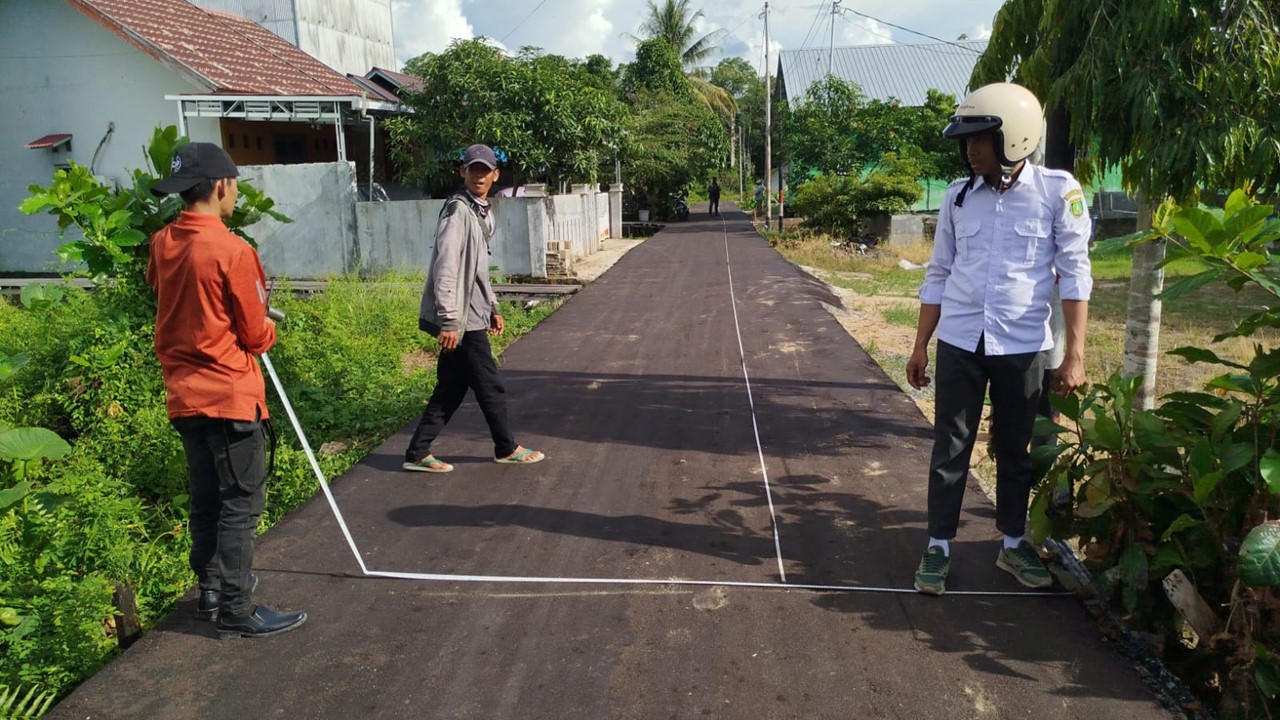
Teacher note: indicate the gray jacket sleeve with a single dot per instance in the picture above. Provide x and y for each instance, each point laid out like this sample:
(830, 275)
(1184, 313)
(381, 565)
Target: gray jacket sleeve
(451, 243)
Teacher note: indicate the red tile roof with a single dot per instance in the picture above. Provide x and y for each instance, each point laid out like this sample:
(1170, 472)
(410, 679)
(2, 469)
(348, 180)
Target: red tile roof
(49, 141)
(228, 54)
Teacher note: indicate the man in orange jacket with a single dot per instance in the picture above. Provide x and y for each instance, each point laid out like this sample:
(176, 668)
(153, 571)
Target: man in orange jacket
(211, 324)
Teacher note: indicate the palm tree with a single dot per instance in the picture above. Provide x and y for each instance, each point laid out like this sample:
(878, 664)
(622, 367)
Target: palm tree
(673, 21)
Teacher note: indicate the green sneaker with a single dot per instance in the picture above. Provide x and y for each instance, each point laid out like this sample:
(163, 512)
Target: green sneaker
(1023, 563)
(931, 575)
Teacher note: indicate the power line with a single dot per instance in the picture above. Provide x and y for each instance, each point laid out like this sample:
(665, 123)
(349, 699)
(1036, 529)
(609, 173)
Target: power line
(821, 11)
(526, 17)
(913, 32)
(868, 29)
(730, 33)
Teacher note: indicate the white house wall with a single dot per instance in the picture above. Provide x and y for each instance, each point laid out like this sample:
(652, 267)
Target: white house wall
(61, 72)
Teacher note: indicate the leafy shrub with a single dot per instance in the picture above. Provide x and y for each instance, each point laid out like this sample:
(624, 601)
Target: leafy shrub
(113, 511)
(114, 227)
(838, 204)
(1192, 485)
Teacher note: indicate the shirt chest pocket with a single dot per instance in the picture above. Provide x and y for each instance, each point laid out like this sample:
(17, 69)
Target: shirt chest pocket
(966, 234)
(1026, 241)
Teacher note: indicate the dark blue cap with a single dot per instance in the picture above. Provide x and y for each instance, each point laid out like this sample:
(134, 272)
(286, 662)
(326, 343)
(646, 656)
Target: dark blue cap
(480, 154)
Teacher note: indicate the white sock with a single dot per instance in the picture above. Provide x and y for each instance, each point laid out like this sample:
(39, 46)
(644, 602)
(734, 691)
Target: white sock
(944, 544)
(1011, 542)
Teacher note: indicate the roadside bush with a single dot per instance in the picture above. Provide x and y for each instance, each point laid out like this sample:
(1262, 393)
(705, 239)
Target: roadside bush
(1191, 486)
(838, 204)
(113, 511)
(93, 497)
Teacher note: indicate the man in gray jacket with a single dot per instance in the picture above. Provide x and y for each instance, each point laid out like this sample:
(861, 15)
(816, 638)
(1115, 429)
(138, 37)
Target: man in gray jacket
(460, 309)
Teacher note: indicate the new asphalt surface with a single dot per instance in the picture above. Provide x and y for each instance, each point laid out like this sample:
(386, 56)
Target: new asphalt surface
(635, 390)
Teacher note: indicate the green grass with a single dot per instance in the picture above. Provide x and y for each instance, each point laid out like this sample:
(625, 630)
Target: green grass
(1118, 266)
(906, 315)
(895, 282)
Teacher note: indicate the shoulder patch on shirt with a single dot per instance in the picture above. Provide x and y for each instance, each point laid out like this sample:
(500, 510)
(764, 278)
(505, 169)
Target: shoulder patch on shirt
(1075, 201)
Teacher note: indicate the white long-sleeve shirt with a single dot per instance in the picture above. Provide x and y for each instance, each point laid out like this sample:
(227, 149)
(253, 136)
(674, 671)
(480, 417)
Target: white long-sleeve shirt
(995, 261)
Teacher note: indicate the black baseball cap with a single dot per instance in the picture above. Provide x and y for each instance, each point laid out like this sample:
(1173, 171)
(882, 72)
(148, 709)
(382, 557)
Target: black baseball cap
(193, 163)
(480, 154)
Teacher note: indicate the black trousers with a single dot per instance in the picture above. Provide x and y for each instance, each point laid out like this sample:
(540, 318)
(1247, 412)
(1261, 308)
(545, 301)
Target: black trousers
(962, 381)
(226, 463)
(715, 206)
(469, 367)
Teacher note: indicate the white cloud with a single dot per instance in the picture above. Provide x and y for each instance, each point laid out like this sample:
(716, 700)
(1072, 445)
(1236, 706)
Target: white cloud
(573, 28)
(576, 28)
(427, 26)
(862, 31)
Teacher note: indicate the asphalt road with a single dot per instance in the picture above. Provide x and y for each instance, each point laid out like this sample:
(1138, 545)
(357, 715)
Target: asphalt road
(635, 390)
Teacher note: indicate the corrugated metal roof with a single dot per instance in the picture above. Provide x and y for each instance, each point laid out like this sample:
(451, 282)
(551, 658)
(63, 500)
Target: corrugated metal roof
(228, 53)
(375, 90)
(396, 80)
(892, 71)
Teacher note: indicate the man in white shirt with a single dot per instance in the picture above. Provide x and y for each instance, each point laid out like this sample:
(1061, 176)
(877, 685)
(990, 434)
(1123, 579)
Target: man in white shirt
(1002, 235)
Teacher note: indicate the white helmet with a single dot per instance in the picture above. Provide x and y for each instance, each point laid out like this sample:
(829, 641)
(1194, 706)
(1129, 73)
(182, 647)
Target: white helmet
(1009, 110)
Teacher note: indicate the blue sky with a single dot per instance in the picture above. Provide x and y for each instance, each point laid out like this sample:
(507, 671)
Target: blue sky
(577, 28)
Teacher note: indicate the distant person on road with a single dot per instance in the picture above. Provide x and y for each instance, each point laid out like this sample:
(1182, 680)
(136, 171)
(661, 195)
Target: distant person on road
(211, 322)
(713, 194)
(1002, 234)
(460, 309)
(760, 209)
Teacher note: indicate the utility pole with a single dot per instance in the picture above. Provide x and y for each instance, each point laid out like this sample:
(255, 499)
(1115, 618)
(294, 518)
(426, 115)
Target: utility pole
(831, 53)
(733, 142)
(768, 128)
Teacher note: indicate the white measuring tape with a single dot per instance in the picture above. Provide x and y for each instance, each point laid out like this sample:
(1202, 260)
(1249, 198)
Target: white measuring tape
(755, 428)
(440, 577)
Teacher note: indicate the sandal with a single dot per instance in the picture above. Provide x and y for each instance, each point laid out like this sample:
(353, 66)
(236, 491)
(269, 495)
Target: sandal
(430, 464)
(522, 456)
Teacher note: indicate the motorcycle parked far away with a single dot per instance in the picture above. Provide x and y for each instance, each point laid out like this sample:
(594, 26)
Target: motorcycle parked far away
(681, 208)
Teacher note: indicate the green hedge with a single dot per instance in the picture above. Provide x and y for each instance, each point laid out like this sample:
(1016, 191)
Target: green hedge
(113, 512)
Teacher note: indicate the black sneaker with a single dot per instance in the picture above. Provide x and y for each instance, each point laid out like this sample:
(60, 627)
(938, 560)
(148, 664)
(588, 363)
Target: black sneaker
(207, 608)
(261, 621)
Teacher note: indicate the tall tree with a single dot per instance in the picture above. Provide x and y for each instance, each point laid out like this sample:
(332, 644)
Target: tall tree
(674, 21)
(1181, 95)
(547, 114)
(736, 77)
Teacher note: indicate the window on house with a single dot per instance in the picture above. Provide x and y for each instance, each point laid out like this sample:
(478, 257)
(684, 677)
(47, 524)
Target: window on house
(231, 142)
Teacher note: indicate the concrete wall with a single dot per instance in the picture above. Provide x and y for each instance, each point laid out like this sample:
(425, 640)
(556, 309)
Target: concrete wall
(320, 199)
(581, 220)
(400, 235)
(350, 36)
(64, 73)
